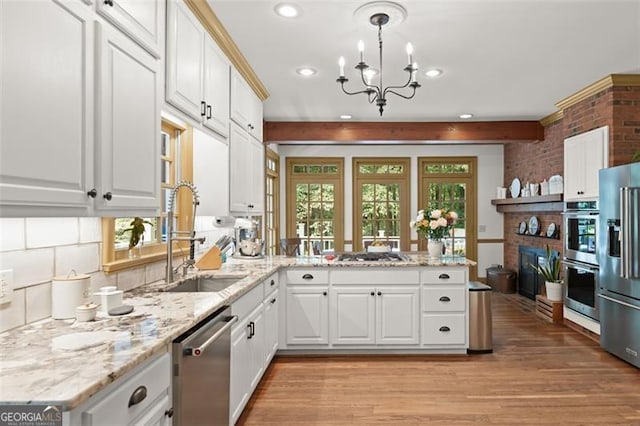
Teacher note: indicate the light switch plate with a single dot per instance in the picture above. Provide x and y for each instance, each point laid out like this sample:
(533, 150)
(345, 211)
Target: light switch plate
(6, 286)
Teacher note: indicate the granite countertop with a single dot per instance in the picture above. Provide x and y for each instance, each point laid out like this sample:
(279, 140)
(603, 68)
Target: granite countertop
(64, 362)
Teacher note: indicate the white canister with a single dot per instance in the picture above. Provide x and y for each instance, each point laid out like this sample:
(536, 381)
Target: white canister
(67, 293)
(110, 298)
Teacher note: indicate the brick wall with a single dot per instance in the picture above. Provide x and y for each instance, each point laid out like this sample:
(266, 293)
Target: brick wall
(532, 162)
(625, 125)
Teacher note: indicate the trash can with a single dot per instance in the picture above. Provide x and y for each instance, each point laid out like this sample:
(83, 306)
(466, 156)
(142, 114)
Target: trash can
(480, 328)
(501, 280)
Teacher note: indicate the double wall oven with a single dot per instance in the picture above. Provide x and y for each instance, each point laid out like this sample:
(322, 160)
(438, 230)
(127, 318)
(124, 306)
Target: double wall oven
(580, 257)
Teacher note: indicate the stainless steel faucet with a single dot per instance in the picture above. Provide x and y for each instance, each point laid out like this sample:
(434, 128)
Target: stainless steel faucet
(190, 261)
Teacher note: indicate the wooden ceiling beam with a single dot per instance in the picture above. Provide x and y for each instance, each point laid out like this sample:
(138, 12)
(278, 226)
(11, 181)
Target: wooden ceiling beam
(292, 132)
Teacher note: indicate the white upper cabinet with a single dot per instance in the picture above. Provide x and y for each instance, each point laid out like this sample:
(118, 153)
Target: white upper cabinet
(216, 88)
(246, 107)
(211, 174)
(246, 165)
(197, 71)
(584, 155)
(46, 108)
(142, 20)
(128, 118)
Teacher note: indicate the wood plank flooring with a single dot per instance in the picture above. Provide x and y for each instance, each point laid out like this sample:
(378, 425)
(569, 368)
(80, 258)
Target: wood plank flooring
(539, 373)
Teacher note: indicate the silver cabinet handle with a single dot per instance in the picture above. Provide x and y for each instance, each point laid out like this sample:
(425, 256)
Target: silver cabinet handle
(200, 349)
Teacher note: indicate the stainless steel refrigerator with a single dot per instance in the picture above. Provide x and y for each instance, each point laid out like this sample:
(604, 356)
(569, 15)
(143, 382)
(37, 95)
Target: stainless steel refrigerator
(619, 259)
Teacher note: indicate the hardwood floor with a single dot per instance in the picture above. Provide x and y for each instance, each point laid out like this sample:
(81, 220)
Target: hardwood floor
(539, 373)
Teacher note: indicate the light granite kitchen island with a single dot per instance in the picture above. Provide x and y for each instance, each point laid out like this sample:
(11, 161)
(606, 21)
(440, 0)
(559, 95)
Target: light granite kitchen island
(64, 362)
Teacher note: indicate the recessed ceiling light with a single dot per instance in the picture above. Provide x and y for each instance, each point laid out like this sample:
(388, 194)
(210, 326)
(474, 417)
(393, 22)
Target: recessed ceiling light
(306, 71)
(287, 10)
(346, 116)
(465, 116)
(432, 73)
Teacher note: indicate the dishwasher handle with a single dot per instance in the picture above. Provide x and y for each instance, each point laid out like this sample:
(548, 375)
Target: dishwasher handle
(200, 349)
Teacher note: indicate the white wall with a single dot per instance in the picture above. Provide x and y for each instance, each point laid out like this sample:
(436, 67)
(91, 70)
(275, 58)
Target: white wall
(490, 175)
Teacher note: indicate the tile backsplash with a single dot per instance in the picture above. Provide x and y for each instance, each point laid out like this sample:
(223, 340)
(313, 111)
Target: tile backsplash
(38, 249)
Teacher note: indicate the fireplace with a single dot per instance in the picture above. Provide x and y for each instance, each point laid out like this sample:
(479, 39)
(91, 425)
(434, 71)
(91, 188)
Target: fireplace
(529, 281)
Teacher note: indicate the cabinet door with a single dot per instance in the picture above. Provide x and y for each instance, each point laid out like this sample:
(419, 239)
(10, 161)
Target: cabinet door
(216, 88)
(241, 109)
(211, 173)
(140, 20)
(595, 158)
(240, 173)
(307, 315)
(353, 311)
(46, 107)
(128, 115)
(255, 123)
(185, 59)
(574, 169)
(157, 414)
(397, 315)
(239, 375)
(256, 347)
(256, 202)
(271, 306)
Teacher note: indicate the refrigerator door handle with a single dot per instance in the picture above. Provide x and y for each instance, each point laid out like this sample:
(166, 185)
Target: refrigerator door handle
(619, 302)
(630, 227)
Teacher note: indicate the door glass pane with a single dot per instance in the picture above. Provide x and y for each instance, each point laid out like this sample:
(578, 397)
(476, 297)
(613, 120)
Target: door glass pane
(315, 212)
(451, 196)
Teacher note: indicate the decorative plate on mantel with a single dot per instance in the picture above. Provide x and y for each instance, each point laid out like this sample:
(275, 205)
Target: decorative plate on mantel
(522, 229)
(515, 188)
(534, 225)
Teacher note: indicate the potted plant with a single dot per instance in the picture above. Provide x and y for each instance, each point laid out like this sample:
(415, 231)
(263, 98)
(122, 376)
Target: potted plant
(136, 227)
(550, 271)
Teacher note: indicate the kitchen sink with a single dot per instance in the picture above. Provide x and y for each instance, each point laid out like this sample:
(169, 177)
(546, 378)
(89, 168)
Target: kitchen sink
(201, 284)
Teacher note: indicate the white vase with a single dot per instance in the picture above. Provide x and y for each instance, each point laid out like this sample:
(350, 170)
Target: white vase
(554, 291)
(434, 247)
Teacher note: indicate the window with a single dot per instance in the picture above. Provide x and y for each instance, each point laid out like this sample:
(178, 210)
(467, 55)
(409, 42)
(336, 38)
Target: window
(175, 164)
(272, 203)
(315, 203)
(381, 202)
(450, 182)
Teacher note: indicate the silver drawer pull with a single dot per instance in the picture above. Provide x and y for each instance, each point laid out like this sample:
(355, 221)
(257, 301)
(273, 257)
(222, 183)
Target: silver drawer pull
(307, 277)
(444, 329)
(443, 276)
(138, 396)
(445, 299)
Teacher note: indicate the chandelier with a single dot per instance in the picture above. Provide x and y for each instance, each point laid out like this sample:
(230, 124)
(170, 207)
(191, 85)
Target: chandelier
(378, 93)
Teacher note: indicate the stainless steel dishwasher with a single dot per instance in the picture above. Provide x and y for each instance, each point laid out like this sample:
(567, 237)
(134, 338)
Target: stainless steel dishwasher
(201, 368)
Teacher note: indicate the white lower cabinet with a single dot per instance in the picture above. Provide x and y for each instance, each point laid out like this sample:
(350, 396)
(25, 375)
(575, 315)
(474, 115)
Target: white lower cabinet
(307, 315)
(375, 315)
(142, 397)
(254, 340)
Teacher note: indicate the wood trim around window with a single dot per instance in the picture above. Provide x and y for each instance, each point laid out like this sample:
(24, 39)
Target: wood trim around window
(275, 175)
(338, 180)
(471, 179)
(403, 179)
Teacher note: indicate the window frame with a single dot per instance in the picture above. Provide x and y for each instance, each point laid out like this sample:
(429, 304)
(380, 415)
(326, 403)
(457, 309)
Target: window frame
(404, 179)
(118, 259)
(470, 178)
(337, 179)
(272, 247)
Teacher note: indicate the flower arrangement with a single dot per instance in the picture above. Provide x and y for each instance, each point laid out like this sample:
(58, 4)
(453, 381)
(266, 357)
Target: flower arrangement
(435, 224)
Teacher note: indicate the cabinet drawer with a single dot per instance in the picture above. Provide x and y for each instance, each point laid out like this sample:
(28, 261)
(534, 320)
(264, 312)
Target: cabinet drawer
(375, 276)
(444, 276)
(114, 408)
(270, 284)
(307, 276)
(440, 329)
(247, 303)
(442, 298)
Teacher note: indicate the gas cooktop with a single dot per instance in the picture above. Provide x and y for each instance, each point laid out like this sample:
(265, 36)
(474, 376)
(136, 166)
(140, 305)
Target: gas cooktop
(372, 257)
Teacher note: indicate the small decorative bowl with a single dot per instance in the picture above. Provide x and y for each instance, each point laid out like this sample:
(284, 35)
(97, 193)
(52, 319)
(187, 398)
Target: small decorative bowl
(87, 312)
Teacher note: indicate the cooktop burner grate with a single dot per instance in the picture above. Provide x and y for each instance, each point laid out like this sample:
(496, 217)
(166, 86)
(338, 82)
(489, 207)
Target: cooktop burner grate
(371, 257)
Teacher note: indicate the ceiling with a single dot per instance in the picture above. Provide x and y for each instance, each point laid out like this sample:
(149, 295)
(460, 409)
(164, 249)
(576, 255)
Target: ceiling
(502, 60)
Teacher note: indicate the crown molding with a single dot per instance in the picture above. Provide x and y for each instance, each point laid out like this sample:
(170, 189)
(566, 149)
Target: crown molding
(551, 118)
(599, 86)
(214, 27)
